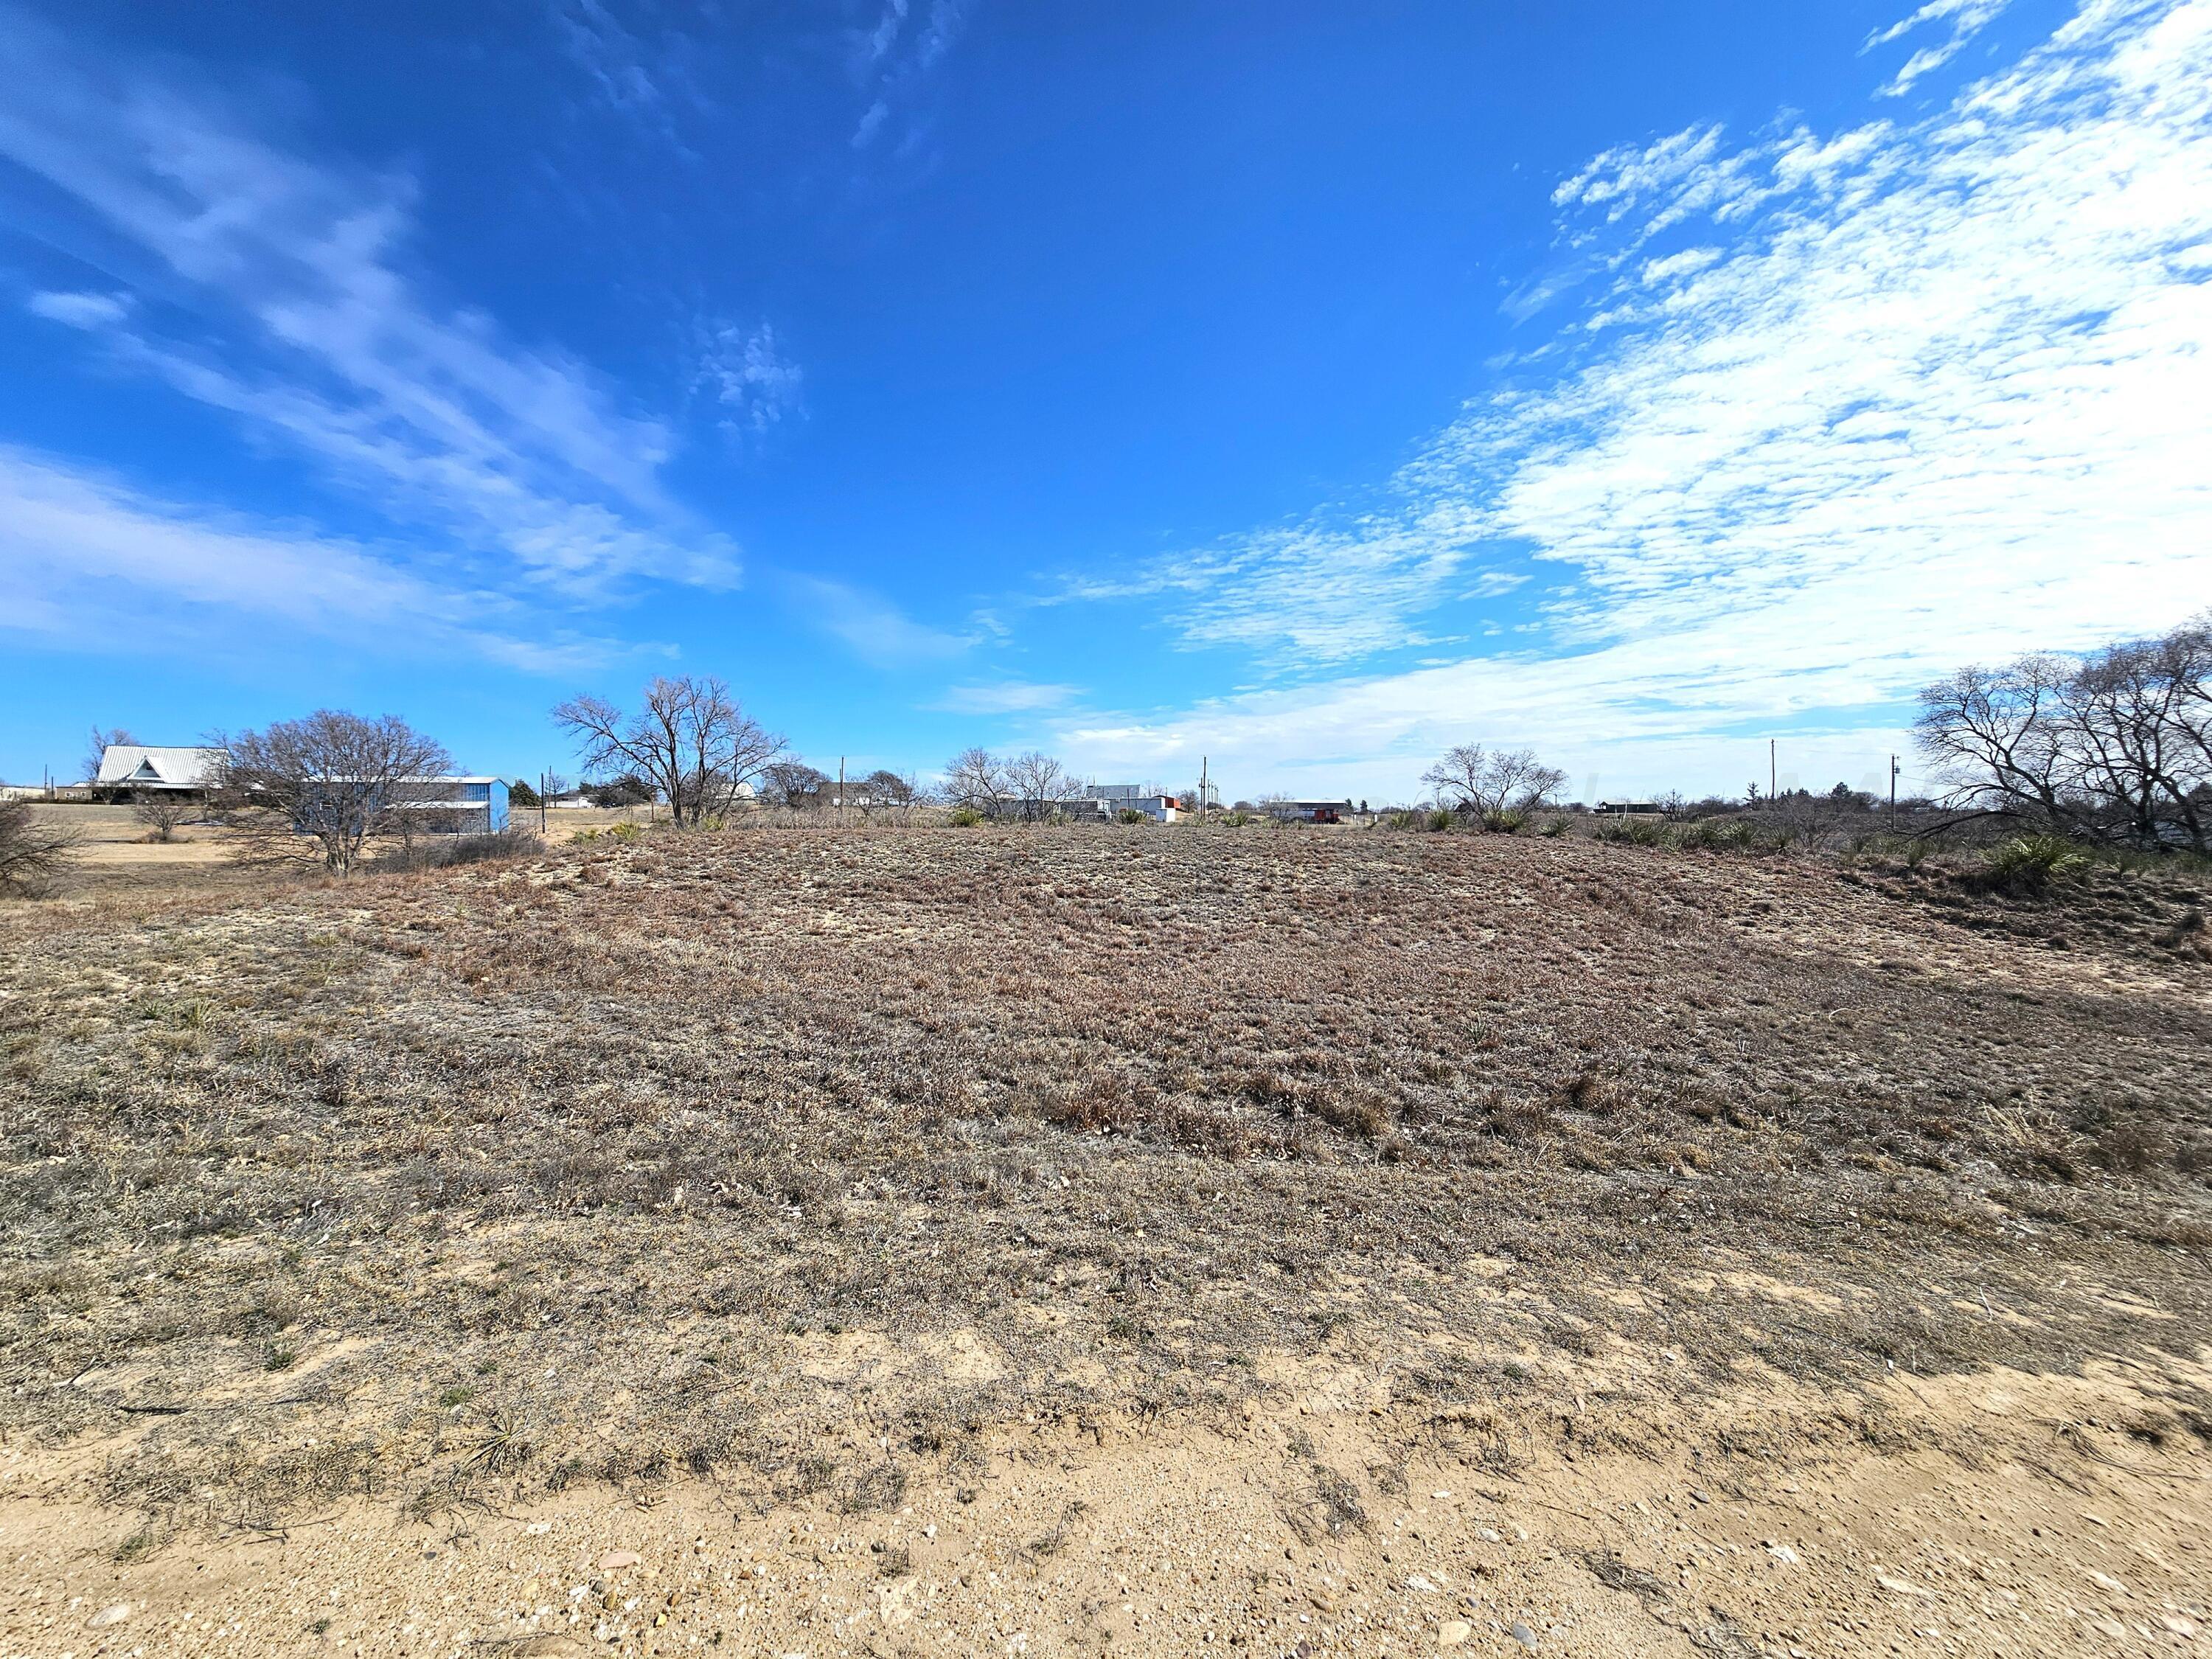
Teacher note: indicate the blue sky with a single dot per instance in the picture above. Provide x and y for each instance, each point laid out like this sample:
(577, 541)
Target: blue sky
(1309, 387)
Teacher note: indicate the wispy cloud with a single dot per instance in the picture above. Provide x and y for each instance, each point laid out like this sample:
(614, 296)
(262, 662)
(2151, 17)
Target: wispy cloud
(894, 54)
(1965, 18)
(87, 560)
(1925, 393)
(308, 326)
(80, 310)
(1005, 697)
(1321, 592)
(643, 72)
(876, 629)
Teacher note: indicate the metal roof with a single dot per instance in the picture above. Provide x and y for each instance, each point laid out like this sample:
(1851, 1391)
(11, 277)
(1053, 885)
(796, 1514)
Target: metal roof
(156, 767)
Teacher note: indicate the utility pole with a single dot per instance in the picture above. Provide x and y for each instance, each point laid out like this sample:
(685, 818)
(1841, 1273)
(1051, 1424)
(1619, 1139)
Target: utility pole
(1893, 794)
(545, 783)
(841, 789)
(1202, 788)
(1770, 769)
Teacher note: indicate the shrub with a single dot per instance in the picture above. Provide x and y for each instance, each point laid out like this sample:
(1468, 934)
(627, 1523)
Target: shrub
(965, 818)
(626, 831)
(2029, 864)
(1505, 821)
(436, 852)
(33, 853)
(1438, 820)
(1130, 815)
(1637, 832)
(1552, 828)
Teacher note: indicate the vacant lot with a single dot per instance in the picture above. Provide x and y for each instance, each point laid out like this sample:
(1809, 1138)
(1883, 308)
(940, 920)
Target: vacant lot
(904, 1235)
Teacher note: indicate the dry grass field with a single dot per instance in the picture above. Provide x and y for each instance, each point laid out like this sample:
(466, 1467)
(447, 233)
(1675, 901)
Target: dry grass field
(1047, 1241)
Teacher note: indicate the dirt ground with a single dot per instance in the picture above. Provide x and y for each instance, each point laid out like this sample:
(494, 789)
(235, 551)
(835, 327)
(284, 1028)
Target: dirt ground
(1056, 1241)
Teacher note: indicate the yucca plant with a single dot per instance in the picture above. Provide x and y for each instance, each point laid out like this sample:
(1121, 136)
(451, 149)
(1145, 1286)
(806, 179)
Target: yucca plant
(2032, 863)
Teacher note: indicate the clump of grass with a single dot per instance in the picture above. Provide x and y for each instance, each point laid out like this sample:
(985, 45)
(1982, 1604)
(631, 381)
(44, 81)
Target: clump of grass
(2030, 864)
(1505, 821)
(964, 818)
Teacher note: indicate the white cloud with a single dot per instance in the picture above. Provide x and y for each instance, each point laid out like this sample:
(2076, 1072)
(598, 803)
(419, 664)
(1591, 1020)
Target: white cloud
(1945, 395)
(1967, 18)
(1319, 593)
(876, 629)
(314, 334)
(749, 376)
(86, 311)
(86, 559)
(891, 60)
(1005, 697)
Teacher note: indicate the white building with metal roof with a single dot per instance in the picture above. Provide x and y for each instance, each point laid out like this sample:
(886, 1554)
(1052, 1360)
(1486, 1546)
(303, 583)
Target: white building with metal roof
(133, 766)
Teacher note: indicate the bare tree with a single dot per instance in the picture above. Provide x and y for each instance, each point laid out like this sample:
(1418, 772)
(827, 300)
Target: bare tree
(34, 851)
(1457, 778)
(1040, 785)
(324, 787)
(96, 748)
(2127, 715)
(691, 739)
(794, 784)
(979, 780)
(164, 812)
(1472, 778)
(888, 792)
(2112, 747)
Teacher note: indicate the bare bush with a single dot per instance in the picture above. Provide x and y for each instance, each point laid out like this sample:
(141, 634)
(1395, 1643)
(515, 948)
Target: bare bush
(163, 812)
(34, 852)
(691, 740)
(436, 853)
(324, 787)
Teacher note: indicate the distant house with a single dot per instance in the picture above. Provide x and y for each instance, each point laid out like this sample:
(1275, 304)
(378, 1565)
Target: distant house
(1107, 801)
(1310, 811)
(457, 805)
(447, 805)
(127, 768)
(1629, 808)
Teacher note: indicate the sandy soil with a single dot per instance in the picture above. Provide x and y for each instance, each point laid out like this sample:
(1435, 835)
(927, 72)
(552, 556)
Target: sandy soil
(1994, 1514)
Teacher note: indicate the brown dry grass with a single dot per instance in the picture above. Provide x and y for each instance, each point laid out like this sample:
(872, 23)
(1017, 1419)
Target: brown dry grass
(800, 1160)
